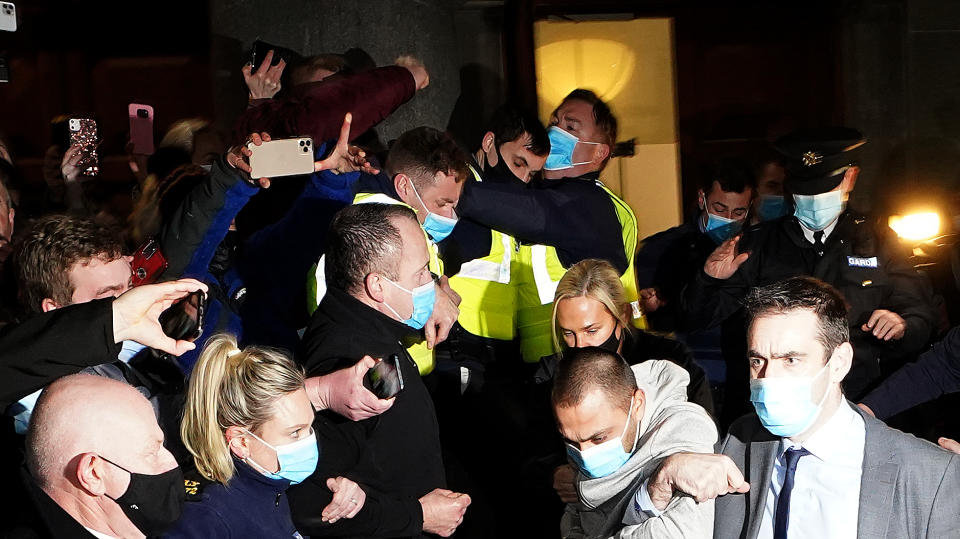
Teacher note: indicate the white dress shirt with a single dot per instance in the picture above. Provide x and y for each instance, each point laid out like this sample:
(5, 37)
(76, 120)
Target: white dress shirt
(826, 490)
(99, 535)
(808, 234)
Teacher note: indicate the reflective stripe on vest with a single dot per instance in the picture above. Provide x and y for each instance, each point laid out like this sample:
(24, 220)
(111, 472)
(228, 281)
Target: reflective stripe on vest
(534, 322)
(488, 301)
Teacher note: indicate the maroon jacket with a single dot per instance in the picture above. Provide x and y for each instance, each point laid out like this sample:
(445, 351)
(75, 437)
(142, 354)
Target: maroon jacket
(316, 109)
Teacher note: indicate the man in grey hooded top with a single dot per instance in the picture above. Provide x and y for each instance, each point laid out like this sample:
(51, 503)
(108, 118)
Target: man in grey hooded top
(619, 423)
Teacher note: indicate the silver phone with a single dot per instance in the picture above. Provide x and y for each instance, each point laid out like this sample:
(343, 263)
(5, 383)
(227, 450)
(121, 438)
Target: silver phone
(281, 157)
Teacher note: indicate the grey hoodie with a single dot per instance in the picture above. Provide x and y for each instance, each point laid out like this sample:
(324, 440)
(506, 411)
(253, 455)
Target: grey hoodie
(607, 506)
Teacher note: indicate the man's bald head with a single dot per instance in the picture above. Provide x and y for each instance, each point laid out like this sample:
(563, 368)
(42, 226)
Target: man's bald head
(89, 414)
(583, 370)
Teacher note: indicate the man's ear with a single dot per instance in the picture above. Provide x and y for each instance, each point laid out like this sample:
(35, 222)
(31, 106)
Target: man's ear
(850, 178)
(840, 362)
(639, 401)
(603, 152)
(91, 473)
(701, 199)
(488, 142)
(401, 182)
(373, 284)
(237, 442)
(48, 305)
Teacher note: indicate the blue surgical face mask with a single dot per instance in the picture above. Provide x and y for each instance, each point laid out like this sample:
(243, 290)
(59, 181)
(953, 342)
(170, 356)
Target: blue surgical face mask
(297, 459)
(771, 207)
(816, 212)
(785, 404)
(603, 459)
(424, 296)
(720, 229)
(438, 226)
(562, 145)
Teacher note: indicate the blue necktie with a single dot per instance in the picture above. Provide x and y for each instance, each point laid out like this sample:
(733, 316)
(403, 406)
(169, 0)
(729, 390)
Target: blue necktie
(782, 518)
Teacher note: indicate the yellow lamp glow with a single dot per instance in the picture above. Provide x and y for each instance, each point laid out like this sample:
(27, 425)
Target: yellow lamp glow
(916, 226)
(601, 65)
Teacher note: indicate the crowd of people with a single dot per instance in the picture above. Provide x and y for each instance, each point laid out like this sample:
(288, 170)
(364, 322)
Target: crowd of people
(434, 337)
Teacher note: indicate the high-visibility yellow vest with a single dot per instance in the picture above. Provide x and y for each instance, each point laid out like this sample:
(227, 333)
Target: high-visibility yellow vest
(539, 273)
(316, 283)
(488, 301)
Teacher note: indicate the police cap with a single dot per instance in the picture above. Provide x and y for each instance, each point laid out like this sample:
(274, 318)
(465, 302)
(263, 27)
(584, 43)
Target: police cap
(817, 158)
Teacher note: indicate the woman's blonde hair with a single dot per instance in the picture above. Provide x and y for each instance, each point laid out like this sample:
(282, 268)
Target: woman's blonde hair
(230, 388)
(595, 279)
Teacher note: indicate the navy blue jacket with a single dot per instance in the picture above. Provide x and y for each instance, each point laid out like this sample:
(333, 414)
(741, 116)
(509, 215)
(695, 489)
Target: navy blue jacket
(936, 372)
(250, 505)
(267, 282)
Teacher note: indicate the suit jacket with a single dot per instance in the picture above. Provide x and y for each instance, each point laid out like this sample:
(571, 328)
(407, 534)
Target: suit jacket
(909, 487)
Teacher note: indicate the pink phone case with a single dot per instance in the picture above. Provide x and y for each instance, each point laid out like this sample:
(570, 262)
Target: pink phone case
(141, 128)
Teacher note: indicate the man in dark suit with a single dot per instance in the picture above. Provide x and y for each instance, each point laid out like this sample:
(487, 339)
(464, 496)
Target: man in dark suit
(816, 466)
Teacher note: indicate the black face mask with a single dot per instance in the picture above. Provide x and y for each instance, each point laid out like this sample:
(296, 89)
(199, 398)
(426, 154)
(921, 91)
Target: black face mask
(500, 173)
(612, 344)
(152, 502)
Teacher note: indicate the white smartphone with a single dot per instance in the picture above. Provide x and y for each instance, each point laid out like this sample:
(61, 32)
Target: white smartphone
(8, 17)
(281, 157)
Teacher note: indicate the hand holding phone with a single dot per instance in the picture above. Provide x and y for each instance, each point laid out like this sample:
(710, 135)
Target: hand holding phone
(183, 321)
(83, 134)
(141, 128)
(385, 379)
(281, 157)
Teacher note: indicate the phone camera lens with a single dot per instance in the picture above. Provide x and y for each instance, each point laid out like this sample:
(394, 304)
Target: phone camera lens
(301, 143)
(305, 149)
(307, 142)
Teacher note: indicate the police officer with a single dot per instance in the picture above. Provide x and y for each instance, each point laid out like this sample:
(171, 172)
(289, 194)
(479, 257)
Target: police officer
(891, 316)
(568, 217)
(669, 259)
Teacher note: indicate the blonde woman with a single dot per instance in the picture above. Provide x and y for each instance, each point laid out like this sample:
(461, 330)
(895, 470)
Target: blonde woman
(590, 309)
(247, 422)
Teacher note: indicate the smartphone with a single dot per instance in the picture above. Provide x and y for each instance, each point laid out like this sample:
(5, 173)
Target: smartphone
(83, 131)
(281, 157)
(385, 379)
(261, 48)
(8, 17)
(148, 263)
(141, 128)
(183, 321)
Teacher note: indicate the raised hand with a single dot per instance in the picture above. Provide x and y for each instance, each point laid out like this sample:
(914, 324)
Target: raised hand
(136, 314)
(265, 82)
(724, 261)
(238, 157)
(345, 157)
(420, 75)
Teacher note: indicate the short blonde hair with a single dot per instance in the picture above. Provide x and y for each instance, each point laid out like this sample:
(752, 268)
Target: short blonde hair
(232, 388)
(597, 280)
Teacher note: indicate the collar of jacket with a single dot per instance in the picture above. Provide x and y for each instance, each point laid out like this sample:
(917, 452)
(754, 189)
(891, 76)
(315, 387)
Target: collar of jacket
(248, 478)
(377, 328)
(794, 230)
(376, 183)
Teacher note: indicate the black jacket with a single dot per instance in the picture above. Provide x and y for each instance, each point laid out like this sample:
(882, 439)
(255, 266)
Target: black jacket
(779, 250)
(667, 261)
(573, 215)
(50, 345)
(936, 372)
(395, 456)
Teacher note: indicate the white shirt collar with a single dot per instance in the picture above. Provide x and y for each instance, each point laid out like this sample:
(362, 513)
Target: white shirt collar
(838, 441)
(808, 234)
(99, 535)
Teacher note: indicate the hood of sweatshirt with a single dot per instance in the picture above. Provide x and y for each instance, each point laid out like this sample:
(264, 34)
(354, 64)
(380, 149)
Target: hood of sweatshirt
(670, 424)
